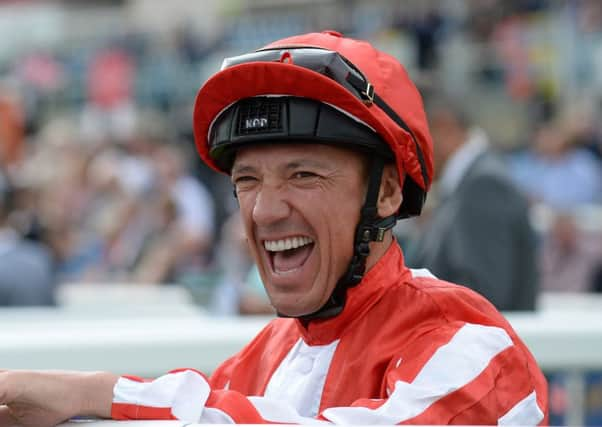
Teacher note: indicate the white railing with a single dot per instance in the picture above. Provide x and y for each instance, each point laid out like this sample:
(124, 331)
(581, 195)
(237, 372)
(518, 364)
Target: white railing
(149, 345)
(149, 339)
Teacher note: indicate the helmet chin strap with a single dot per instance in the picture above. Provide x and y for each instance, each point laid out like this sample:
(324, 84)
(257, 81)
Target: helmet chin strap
(370, 228)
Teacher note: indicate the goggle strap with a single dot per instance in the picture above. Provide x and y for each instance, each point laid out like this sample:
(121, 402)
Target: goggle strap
(369, 210)
(367, 91)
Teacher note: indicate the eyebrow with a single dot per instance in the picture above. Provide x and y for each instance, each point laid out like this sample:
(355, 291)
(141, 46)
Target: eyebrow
(242, 169)
(294, 164)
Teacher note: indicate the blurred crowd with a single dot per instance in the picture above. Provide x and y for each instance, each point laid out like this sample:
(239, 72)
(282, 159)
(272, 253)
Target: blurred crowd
(125, 211)
(100, 182)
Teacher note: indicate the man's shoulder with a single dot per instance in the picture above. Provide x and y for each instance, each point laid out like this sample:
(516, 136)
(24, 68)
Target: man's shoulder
(422, 280)
(429, 311)
(29, 253)
(488, 177)
(452, 301)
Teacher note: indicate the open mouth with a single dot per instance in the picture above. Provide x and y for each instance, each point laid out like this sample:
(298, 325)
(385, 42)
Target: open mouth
(288, 255)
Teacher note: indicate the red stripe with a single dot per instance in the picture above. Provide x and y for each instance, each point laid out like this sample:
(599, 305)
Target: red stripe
(513, 385)
(128, 411)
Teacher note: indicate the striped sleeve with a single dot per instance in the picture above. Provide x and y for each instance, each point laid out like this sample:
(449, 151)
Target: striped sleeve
(466, 374)
(185, 395)
(477, 376)
(181, 394)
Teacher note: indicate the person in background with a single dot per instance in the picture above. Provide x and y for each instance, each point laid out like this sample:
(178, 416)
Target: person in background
(184, 247)
(239, 289)
(26, 267)
(597, 278)
(560, 176)
(11, 127)
(479, 235)
(555, 172)
(569, 255)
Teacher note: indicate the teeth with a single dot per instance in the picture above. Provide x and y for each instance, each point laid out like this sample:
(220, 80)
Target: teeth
(286, 244)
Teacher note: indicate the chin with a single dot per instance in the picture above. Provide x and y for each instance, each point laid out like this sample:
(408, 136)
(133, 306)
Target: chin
(294, 310)
(290, 311)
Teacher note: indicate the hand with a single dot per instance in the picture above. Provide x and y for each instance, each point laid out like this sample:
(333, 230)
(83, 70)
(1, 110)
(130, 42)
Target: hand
(47, 398)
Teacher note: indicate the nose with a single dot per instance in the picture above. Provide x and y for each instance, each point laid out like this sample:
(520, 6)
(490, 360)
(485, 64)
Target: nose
(270, 206)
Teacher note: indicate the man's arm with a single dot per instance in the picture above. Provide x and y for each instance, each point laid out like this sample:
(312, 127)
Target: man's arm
(46, 398)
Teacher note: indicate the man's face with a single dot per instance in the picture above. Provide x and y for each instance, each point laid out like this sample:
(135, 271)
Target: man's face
(447, 136)
(300, 204)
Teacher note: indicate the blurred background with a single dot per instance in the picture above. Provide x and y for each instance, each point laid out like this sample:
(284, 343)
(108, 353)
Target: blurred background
(106, 209)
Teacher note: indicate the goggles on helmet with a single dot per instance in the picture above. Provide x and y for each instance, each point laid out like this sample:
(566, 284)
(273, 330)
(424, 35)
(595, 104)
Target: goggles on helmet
(326, 62)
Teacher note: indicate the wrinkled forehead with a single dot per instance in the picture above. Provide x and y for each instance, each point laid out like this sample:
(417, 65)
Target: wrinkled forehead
(290, 155)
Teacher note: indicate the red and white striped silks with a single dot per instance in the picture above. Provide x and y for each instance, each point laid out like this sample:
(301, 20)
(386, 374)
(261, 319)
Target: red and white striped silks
(407, 349)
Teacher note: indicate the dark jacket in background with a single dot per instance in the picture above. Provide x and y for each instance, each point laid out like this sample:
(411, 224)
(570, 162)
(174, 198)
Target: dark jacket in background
(26, 273)
(480, 236)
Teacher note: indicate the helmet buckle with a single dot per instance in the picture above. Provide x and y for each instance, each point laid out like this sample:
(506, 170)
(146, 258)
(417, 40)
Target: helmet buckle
(368, 94)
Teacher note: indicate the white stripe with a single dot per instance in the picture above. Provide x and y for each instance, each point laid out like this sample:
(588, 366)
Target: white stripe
(215, 416)
(524, 413)
(299, 380)
(421, 272)
(453, 365)
(184, 392)
(281, 411)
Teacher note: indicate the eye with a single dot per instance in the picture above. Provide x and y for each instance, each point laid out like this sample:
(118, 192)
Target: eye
(245, 178)
(304, 175)
(244, 182)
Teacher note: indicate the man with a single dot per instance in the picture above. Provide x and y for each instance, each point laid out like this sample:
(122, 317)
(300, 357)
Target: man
(324, 158)
(26, 269)
(479, 235)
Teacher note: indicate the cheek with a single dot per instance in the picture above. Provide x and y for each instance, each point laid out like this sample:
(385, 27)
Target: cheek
(245, 206)
(342, 222)
(246, 217)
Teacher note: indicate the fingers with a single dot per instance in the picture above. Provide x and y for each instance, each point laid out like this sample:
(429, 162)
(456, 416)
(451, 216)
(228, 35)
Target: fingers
(6, 417)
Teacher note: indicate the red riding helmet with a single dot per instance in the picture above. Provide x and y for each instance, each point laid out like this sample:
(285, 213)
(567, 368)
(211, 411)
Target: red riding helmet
(365, 84)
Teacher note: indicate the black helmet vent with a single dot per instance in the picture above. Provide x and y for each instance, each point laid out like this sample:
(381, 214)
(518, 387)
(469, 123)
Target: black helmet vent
(256, 116)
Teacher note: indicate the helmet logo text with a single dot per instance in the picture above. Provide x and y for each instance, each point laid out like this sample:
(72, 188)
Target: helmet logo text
(256, 123)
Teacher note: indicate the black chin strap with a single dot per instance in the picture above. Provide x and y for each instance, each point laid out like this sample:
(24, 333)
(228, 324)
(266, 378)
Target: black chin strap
(370, 228)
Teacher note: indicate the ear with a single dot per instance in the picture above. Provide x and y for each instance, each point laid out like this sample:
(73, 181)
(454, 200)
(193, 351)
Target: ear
(389, 194)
